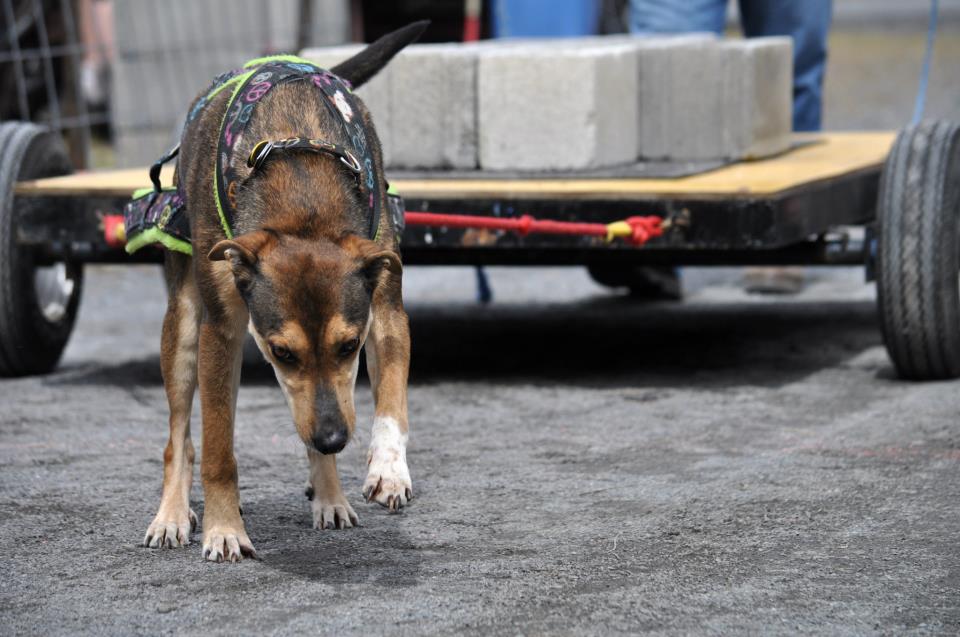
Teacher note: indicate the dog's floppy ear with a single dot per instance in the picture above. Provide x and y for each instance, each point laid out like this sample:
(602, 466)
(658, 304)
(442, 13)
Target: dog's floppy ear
(372, 259)
(242, 250)
(367, 63)
(375, 264)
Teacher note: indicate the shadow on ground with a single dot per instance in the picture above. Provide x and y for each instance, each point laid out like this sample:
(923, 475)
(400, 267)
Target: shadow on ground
(609, 340)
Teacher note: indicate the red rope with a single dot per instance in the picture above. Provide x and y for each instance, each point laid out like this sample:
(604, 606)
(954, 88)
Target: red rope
(643, 228)
(522, 225)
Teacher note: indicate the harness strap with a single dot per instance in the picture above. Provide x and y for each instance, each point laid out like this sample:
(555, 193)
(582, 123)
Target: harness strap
(157, 166)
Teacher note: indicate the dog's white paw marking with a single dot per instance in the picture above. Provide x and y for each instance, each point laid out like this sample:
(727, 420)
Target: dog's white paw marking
(170, 530)
(226, 544)
(333, 513)
(388, 478)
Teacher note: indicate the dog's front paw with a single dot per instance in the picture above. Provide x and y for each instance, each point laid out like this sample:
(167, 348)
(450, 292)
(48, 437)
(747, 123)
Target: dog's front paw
(170, 530)
(225, 543)
(392, 490)
(388, 478)
(333, 512)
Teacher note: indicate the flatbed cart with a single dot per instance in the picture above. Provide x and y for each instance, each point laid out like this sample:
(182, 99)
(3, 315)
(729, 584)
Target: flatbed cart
(798, 208)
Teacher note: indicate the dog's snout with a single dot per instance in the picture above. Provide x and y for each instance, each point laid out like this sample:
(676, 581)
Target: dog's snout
(330, 430)
(330, 440)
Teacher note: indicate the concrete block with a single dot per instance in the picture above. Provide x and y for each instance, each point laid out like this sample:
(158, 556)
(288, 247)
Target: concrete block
(330, 24)
(557, 107)
(681, 95)
(433, 96)
(375, 93)
(157, 93)
(208, 26)
(156, 28)
(759, 96)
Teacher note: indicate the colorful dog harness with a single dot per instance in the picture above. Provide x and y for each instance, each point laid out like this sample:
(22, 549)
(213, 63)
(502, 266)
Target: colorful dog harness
(158, 215)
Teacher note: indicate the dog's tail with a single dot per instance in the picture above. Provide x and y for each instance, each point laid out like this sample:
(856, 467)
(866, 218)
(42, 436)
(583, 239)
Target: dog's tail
(367, 63)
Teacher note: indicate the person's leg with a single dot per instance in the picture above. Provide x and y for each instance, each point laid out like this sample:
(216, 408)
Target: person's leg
(808, 23)
(677, 16)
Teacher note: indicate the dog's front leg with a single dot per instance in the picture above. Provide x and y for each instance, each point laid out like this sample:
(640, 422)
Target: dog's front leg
(330, 507)
(221, 340)
(178, 363)
(388, 361)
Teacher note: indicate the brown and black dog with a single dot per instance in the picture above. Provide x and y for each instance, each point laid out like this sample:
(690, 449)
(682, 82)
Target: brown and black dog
(300, 275)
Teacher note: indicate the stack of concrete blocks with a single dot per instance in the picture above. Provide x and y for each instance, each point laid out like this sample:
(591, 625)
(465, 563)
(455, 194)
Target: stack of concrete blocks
(564, 104)
(579, 104)
(167, 52)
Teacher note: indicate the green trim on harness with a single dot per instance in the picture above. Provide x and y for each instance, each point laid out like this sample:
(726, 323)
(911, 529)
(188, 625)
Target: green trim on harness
(156, 235)
(141, 192)
(233, 80)
(296, 59)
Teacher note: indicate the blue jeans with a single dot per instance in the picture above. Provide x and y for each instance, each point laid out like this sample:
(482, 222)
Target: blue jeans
(807, 21)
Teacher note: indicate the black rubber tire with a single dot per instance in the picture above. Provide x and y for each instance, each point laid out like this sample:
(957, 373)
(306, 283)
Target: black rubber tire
(30, 342)
(918, 252)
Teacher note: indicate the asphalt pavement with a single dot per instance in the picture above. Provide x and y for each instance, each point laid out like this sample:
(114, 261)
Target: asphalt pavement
(583, 464)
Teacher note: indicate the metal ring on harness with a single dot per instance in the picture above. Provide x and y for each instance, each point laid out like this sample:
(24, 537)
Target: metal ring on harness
(351, 162)
(259, 154)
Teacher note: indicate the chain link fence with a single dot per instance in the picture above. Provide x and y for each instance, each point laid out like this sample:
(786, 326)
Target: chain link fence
(117, 75)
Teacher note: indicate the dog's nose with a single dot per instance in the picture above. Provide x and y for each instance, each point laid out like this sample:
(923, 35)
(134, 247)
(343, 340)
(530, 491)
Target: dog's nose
(330, 441)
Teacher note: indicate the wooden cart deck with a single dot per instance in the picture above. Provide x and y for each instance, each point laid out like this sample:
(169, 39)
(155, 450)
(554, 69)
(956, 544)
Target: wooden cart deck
(823, 157)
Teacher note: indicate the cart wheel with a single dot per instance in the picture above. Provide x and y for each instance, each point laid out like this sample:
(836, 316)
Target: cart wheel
(38, 304)
(918, 252)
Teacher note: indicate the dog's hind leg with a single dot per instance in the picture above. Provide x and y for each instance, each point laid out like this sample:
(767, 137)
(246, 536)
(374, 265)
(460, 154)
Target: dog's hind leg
(388, 361)
(178, 362)
(330, 507)
(222, 330)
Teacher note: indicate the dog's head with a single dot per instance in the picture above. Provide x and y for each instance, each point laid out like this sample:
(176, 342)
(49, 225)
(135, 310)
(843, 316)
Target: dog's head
(309, 305)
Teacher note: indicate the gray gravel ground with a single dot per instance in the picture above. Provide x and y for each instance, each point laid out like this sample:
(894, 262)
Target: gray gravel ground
(593, 466)
(582, 463)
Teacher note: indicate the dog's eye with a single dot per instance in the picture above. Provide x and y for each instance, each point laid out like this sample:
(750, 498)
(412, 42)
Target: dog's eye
(349, 347)
(282, 354)
(243, 284)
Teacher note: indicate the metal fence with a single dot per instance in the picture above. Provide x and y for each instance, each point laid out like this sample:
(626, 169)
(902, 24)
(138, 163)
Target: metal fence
(40, 78)
(126, 70)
